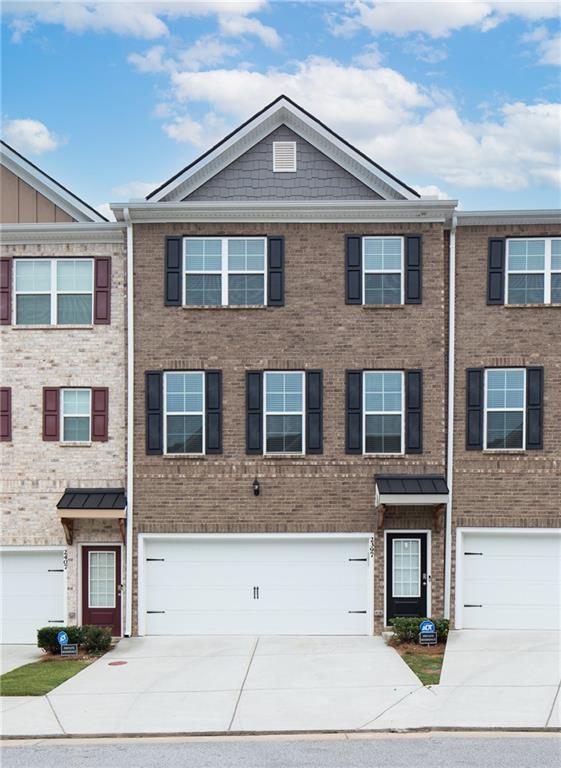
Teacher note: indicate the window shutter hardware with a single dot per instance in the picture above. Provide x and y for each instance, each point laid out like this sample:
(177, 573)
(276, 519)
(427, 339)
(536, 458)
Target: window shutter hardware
(173, 272)
(275, 271)
(353, 426)
(154, 412)
(413, 270)
(414, 411)
(474, 409)
(353, 269)
(314, 411)
(254, 412)
(496, 271)
(213, 415)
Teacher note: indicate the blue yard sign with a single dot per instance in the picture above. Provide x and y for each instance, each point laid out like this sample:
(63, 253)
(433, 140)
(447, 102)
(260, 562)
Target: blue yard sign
(426, 626)
(62, 638)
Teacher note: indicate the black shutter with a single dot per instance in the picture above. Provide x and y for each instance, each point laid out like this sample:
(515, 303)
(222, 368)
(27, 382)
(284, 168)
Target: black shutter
(353, 427)
(474, 409)
(154, 412)
(414, 411)
(353, 269)
(496, 271)
(173, 281)
(275, 271)
(314, 411)
(254, 412)
(534, 409)
(413, 270)
(213, 415)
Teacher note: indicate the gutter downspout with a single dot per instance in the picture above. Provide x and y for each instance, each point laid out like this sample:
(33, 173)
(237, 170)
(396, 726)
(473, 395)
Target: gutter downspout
(450, 446)
(130, 425)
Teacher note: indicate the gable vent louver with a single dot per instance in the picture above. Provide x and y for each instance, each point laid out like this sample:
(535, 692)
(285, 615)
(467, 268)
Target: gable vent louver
(284, 156)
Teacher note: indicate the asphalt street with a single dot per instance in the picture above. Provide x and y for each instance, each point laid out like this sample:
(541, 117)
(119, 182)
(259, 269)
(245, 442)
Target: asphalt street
(337, 751)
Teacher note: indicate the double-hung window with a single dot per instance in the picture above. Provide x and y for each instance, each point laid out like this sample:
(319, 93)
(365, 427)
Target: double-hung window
(76, 415)
(383, 427)
(505, 398)
(53, 291)
(383, 270)
(224, 271)
(284, 411)
(533, 271)
(184, 398)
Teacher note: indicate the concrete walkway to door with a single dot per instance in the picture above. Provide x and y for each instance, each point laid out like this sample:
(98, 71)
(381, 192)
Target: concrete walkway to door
(218, 684)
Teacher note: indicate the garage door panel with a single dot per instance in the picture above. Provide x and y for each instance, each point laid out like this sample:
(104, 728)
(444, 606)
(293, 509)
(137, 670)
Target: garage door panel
(511, 580)
(305, 586)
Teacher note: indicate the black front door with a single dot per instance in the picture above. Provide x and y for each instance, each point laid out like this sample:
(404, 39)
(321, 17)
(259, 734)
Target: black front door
(406, 574)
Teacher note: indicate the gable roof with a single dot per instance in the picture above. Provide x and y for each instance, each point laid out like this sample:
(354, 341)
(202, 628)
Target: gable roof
(50, 188)
(282, 111)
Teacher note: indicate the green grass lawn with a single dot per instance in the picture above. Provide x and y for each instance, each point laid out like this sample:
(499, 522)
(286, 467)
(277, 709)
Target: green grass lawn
(38, 678)
(427, 668)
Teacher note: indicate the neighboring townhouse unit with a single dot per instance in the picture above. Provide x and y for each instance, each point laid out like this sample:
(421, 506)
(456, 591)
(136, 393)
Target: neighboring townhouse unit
(507, 454)
(62, 390)
(290, 372)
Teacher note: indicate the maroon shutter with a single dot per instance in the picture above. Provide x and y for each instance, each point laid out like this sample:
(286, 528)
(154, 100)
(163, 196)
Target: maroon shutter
(102, 291)
(100, 412)
(5, 414)
(5, 291)
(51, 414)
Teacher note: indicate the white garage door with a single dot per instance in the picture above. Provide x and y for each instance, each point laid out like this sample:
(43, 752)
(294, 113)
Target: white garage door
(511, 580)
(256, 586)
(32, 594)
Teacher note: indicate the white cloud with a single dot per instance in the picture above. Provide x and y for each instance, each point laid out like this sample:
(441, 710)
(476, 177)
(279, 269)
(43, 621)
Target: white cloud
(30, 136)
(208, 50)
(431, 190)
(142, 18)
(431, 54)
(548, 46)
(370, 57)
(149, 61)
(409, 130)
(134, 189)
(235, 26)
(437, 18)
(106, 211)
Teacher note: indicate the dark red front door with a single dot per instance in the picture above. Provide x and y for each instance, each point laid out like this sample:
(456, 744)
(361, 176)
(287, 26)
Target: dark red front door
(101, 587)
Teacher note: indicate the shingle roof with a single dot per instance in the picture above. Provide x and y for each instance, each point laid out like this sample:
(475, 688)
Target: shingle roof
(93, 498)
(412, 484)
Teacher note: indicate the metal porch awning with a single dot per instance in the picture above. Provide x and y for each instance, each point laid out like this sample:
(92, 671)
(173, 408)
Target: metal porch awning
(92, 503)
(411, 490)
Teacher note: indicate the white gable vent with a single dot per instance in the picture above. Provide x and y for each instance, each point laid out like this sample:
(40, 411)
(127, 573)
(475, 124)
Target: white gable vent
(284, 156)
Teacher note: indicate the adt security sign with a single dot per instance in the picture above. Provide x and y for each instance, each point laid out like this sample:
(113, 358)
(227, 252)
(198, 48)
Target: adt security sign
(62, 638)
(427, 633)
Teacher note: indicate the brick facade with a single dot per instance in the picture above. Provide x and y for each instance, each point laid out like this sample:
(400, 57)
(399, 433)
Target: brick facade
(315, 329)
(35, 473)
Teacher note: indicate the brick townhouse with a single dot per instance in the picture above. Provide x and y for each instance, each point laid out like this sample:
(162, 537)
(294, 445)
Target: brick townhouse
(62, 379)
(341, 405)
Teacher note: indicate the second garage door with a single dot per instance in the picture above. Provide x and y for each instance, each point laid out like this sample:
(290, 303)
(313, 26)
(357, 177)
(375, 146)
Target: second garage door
(272, 585)
(510, 580)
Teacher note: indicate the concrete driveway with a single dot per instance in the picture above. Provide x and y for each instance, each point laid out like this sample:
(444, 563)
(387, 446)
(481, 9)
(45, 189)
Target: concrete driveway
(13, 656)
(202, 684)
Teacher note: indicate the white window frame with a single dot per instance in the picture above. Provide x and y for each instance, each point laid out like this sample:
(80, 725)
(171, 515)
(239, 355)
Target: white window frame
(276, 168)
(80, 416)
(301, 413)
(224, 272)
(400, 271)
(102, 552)
(53, 292)
(503, 410)
(394, 541)
(366, 413)
(547, 270)
(201, 413)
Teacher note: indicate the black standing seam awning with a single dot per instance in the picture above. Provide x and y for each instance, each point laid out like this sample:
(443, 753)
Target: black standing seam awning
(92, 499)
(412, 484)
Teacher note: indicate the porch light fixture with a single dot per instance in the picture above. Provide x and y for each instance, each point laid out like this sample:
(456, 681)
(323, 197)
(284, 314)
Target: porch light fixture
(256, 487)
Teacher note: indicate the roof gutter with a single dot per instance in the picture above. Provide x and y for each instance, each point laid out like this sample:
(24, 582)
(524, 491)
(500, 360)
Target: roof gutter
(130, 427)
(450, 441)
(535, 216)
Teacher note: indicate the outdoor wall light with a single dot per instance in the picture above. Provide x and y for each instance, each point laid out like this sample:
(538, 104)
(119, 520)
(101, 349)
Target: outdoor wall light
(256, 487)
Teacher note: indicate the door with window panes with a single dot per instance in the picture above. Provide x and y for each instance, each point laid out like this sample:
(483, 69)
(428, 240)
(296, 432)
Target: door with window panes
(101, 587)
(406, 574)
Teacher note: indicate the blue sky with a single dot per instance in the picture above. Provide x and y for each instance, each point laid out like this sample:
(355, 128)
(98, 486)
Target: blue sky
(459, 98)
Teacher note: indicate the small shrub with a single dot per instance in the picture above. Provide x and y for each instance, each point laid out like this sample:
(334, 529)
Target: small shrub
(406, 628)
(47, 637)
(97, 639)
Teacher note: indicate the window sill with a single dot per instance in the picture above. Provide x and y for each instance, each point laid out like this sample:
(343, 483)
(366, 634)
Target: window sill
(505, 451)
(378, 456)
(188, 456)
(383, 306)
(228, 307)
(52, 327)
(284, 456)
(71, 444)
(531, 306)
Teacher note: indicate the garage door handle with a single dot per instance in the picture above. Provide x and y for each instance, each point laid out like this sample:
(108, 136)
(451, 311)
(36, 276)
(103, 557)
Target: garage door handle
(55, 621)
(358, 560)
(55, 570)
(256, 593)
(472, 605)
(356, 611)
(155, 611)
